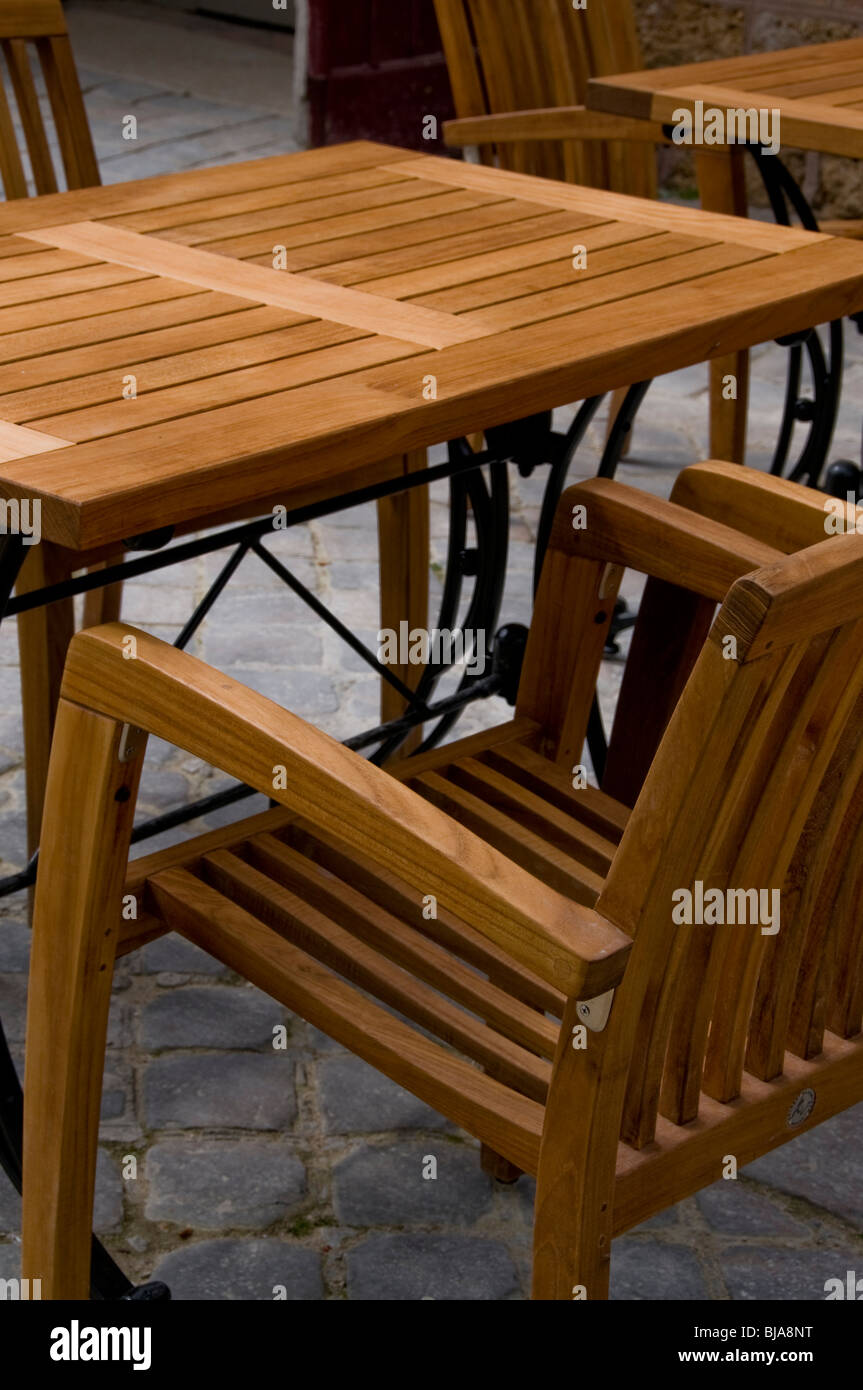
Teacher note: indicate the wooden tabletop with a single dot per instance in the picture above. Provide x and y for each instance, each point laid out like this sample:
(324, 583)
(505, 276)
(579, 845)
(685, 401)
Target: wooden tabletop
(420, 298)
(817, 88)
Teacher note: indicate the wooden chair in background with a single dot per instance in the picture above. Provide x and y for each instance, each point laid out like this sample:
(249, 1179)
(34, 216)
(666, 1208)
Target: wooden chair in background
(586, 1037)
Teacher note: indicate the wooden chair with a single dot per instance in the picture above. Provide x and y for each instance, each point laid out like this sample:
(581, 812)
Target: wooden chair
(494, 901)
(519, 71)
(41, 23)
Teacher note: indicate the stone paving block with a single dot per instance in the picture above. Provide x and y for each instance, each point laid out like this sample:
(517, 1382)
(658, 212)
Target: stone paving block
(385, 1186)
(116, 1090)
(168, 603)
(215, 1186)
(781, 1275)
(242, 1269)
(161, 791)
(108, 1207)
(13, 1006)
(398, 1268)
(119, 1023)
(175, 954)
(733, 1208)
(823, 1166)
(235, 1017)
(642, 1269)
(272, 636)
(356, 1099)
(363, 575)
(14, 946)
(226, 1091)
(308, 693)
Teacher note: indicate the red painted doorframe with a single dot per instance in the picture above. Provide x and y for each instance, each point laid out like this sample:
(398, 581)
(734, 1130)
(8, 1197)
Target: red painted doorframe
(375, 68)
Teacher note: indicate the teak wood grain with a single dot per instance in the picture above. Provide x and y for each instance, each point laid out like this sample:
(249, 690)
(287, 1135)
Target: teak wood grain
(256, 382)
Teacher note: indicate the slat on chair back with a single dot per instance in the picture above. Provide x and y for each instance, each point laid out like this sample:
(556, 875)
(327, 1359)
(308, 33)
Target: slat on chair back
(518, 55)
(758, 784)
(35, 43)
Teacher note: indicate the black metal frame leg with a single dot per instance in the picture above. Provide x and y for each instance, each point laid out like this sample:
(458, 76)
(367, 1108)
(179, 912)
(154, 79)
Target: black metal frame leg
(820, 411)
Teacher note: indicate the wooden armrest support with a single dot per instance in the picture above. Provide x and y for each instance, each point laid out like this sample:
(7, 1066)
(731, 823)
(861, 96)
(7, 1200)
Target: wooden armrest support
(789, 516)
(550, 123)
(627, 527)
(171, 694)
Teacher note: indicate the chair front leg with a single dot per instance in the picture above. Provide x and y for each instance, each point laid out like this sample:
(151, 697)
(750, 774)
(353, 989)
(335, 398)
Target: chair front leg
(90, 802)
(575, 1182)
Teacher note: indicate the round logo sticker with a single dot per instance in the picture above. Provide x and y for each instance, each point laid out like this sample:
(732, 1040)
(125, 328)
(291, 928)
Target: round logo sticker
(802, 1108)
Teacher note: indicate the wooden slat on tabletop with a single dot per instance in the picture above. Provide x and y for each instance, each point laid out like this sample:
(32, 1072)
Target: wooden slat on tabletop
(380, 220)
(72, 364)
(551, 257)
(112, 326)
(640, 273)
(164, 219)
(17, 442)
(171, 190)
(203, 268)
(235, 384)
(289, 213)
(446, 261)
(351, 259)
(96, 275)
(597, 202)
(613, 247)
(163, 370)
(64, 309)
(24, 265)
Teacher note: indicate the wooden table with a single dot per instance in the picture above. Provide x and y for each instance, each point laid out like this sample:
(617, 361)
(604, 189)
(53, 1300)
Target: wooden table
(817, 89)
(416, 299)
(818, 92)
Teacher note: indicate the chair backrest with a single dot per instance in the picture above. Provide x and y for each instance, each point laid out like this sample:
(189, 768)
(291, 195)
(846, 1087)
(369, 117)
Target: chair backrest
(519, 55)
(49, 64)
(757, 785)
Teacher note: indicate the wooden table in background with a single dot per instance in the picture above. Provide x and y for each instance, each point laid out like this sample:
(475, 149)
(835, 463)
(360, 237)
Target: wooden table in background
(817, 90)
(420, 299)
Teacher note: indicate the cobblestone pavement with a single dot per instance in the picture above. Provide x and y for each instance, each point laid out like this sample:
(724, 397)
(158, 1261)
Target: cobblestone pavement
(300, 1171)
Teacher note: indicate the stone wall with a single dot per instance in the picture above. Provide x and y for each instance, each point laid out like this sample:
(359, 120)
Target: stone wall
(678, 31)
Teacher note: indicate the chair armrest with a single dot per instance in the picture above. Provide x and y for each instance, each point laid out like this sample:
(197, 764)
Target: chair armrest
(627, 527)
(178, 698)
(785, 514)
(550, 123)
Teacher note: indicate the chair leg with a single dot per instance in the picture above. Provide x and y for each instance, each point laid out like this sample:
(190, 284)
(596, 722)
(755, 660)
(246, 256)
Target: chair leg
(403, 536)
(90, 800)
(575, 1182)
